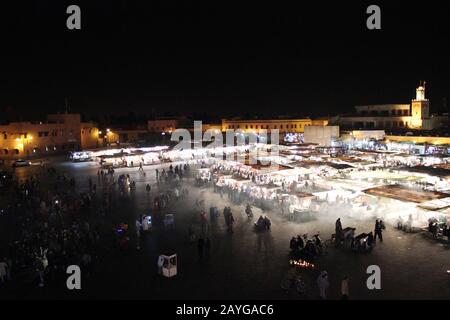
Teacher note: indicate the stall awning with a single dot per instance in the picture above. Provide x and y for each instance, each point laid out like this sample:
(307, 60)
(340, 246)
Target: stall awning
(432, 171)
(436, 204)
(405, 194)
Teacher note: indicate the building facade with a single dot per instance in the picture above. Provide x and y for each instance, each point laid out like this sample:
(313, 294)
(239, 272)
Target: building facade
(61, 132)
(321, 135)
(163, 125)
(257, 126)
(395, 116)
(131, 135)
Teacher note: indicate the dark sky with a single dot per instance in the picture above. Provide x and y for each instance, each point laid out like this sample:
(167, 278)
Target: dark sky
(220, 57)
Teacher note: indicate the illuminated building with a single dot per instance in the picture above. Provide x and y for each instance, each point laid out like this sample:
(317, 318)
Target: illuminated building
(129, 135)
(394, 117)
(420, 108)
(282, 125)
(61, 132)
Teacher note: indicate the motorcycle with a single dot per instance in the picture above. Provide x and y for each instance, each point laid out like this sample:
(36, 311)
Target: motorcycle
(296, 283)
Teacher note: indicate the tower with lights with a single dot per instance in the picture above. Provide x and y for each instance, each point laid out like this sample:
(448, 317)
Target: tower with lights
(420, 107)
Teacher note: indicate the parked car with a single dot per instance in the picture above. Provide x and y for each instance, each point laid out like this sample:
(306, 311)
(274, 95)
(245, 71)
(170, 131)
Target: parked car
(21, 163)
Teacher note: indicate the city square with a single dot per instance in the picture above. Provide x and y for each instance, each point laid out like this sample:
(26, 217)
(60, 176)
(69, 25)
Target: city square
(225, 159)
(255, 260)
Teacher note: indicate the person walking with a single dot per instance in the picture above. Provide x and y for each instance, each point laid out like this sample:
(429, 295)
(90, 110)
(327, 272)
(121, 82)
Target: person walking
(323, 284)
(370, 241)
(230, 223)
(3, 270)
(375, 231)
(207, 247)
(382, 227)
(9, 264)
(344, 288)
(200, 247)
(160, 264)
(338, 232)
(138, 234)
(378, 230)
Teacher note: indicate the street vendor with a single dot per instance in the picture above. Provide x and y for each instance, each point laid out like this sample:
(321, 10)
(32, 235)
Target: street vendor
(338, 231)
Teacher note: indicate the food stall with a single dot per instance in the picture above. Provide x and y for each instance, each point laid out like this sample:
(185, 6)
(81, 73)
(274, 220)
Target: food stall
(169, 265)
(300, 208)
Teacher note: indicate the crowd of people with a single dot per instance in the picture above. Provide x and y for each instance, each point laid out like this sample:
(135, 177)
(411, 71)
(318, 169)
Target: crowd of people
(173, 174)
(60, 225)
(53, 230)
(438, 229)
(58, 222)
(363, 242)
(305, 249)
(229, 219)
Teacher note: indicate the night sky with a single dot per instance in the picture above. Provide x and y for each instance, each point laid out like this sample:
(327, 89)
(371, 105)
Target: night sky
(220, 57)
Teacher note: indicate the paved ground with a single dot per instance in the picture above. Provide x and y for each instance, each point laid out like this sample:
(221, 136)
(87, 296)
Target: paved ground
(246, 265)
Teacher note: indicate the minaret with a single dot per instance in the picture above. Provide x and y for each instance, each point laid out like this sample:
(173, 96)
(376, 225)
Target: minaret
(420, 92)
(420, 107)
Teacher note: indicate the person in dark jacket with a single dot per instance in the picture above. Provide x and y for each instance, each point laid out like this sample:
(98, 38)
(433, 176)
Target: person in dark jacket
(207, 247)
(293, 244)
(338, 232)
(378, 230)
(200, 247)
(300, 242)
